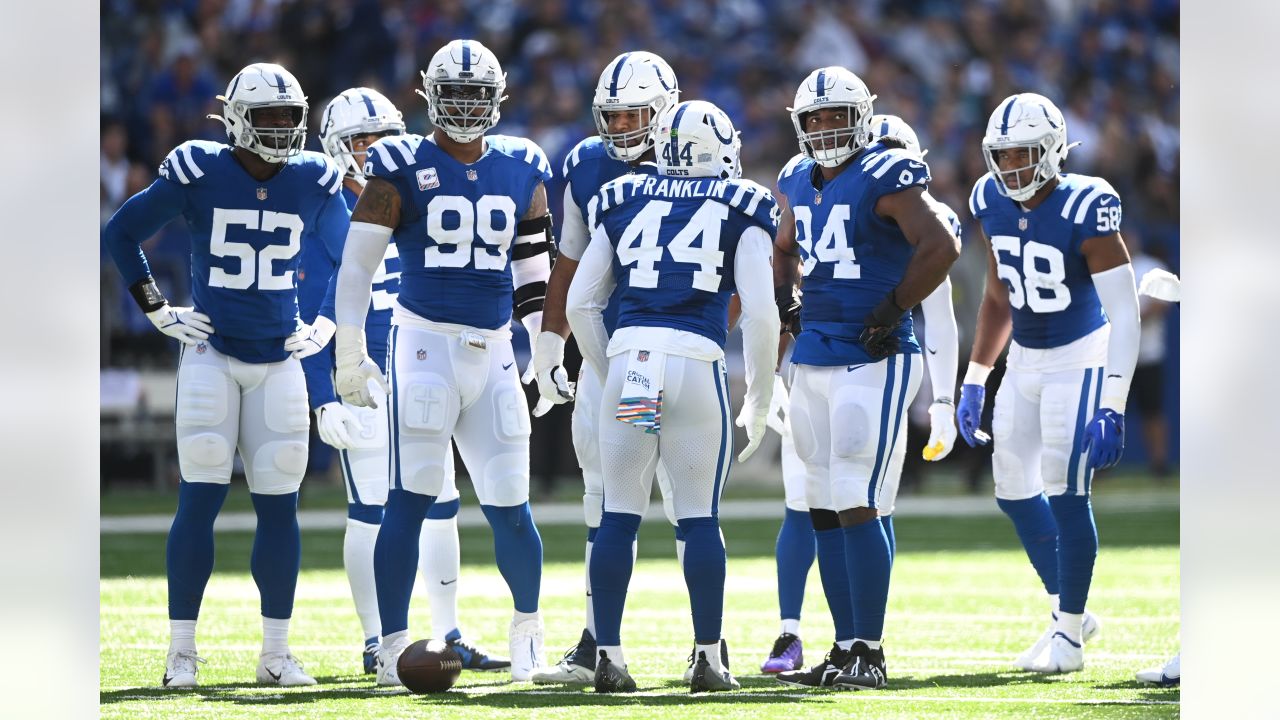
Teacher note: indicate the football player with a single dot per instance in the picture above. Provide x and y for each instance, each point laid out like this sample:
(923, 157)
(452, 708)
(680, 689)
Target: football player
(353, 121)
(469, 214)
(679, 245)
(870, 246)
(633, 89)
(249, 204)
(942, 342)
(1059, 279)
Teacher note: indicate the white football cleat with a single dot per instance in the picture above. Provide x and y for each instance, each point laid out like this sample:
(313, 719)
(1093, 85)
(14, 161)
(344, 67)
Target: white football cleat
(526, 648)
(283, 669)
(1062, 656)
(388, 657)
(1088, 631)
(180, 669)
(1168, 676)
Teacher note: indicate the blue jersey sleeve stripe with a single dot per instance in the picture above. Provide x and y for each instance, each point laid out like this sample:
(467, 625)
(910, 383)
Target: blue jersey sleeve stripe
(405, 153)
(329, 172)
(172, 159)
(756, 197)
(790, 167)
(336, 185)
(736, 201)
(1071, 200)
(384, 157)
(1083, 208)
(894, 157)
(196, 172)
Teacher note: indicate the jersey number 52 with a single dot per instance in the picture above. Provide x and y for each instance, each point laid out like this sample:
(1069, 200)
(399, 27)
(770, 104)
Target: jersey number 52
(255, 265)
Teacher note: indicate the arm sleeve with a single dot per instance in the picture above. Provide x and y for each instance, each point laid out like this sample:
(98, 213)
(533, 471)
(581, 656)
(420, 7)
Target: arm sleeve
(588, 294)
(1120, 301)
(753, 275)
(574, 233)
(333, 226)
(318, 371)
(365, 246)
(941, 340)
(137, 220)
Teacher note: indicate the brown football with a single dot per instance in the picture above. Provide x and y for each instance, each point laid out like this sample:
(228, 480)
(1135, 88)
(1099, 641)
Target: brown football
(429, 666)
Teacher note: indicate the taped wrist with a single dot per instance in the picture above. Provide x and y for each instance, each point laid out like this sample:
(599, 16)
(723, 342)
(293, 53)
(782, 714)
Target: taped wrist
(977, 374)
(787, 298)
(531, 265)
(147, 295)
(886, 313)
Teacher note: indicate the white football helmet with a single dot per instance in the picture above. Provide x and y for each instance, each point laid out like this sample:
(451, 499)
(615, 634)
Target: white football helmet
(358, 111)
(827, 87)
(895, 127)
(633, 81)
(463, 85)
(1031, 121)
(258, 86)
(696, 139)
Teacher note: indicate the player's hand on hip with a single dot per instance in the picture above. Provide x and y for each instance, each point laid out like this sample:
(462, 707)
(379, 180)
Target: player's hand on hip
(755, 422)
(942, 430)
(337, 425)
(969, 414)
(554, 388)
(183, 323)
(308, 340)
(779, 408)
(1104, 438)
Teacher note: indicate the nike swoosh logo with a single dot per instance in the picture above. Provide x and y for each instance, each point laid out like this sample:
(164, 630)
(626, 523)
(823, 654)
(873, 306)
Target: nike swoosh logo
(166, 680)
(450, 582)
(915, 164)
(1104, 201)
(851, 368)
(274, 676)
(508, 365)
(931, 350)
(1113, 375)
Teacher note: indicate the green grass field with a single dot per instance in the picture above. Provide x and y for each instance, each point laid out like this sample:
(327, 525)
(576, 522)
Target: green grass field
(964, 603)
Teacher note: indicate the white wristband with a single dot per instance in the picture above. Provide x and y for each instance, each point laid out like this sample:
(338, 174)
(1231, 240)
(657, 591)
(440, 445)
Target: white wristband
(977, 374)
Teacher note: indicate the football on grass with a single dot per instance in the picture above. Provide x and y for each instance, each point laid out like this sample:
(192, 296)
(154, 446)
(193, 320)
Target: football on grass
(429, 666)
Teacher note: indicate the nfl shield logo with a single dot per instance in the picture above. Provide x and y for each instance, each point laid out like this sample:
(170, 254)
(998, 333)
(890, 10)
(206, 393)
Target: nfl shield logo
(471, 175)
(422, 354)
(262, 193)
(1022, 223)
(642, 356)
(201, 348)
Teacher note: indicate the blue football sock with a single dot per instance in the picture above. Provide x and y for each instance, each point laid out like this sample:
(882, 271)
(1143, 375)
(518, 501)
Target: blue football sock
(189, 551)
(1077, 549)
(704, 571)
(866, 554)
(794, 554)
(887, 522)
(367, 514)
(835, 581)
(518, 549)
(1038, 531)
(277, 552)
(443, 510)
(591, 534)
(611, 565)
(395, 556)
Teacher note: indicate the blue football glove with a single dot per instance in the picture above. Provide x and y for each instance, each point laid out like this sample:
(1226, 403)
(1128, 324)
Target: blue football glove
(969, 414)
(1104, 438)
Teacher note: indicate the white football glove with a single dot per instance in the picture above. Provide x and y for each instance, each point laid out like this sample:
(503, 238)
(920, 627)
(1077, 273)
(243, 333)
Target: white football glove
(308, 340)
(755, 422)
(1161, 285)
(942, 431)
(554, 386)
(183, 323)
(355, 368)
(779, 408)
(338, 426)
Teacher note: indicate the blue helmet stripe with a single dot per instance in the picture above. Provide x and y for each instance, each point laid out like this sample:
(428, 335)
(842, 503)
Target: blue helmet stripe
(1045, 110)
(466, 55)
(1008, 108)
(617, 72)
(822, 83)
(280, 83)
(368, 104)
(884, 128)
(234, 84)
(675, 124)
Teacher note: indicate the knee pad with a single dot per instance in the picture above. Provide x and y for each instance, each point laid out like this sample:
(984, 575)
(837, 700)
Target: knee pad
(1007, 469)
(593, 506)
(421, 466)
(278, 467)
(425, 405)
(510, 414)
(285, 402)
(583, 427)
(505, 480)
(852, 432)
(202, 397)
(206, 450)
(802, 434)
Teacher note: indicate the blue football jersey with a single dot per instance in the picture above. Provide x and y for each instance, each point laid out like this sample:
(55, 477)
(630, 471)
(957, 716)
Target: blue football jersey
(586, 169)
(1038, 255)
(674, 243)
(850, 256)
(458, 223)
(246, 240)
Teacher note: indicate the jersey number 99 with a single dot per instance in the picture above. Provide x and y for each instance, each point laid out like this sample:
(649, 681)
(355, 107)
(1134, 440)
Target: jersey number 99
(469, 221)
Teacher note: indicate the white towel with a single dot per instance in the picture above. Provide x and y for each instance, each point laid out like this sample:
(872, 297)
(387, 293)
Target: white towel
(641, 400)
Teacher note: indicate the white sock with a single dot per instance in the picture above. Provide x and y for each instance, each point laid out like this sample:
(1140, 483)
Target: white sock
(845, 644)
(1053, 604)
(591, 609)
(1070, 624)
(680, 553)
(440, 563)
(357, 557)
(613, 652)
(275, 635)
(182, 635)
(873, 644)
(393, 638)
(791, 626)
(712, 653)
(518, 617)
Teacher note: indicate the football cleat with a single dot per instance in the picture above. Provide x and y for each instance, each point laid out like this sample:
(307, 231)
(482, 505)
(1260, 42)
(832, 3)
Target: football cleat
(724, 661)
(1062, 656)
(526, 648)
(866, 671)
(787, 654)
(474, 658)
(388, 657)
(1168, 676)
(1088, 631)
(821, 675)
(707, 680)
(578, 667)
(283, 669)
(611, 677)
(371, 648)
(180, 669)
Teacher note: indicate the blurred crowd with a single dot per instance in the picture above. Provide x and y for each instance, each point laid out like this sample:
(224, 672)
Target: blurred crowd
(1111, 65)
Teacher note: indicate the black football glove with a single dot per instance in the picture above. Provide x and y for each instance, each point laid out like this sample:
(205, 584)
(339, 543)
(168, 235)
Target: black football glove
(878, 337)
(788, 301)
